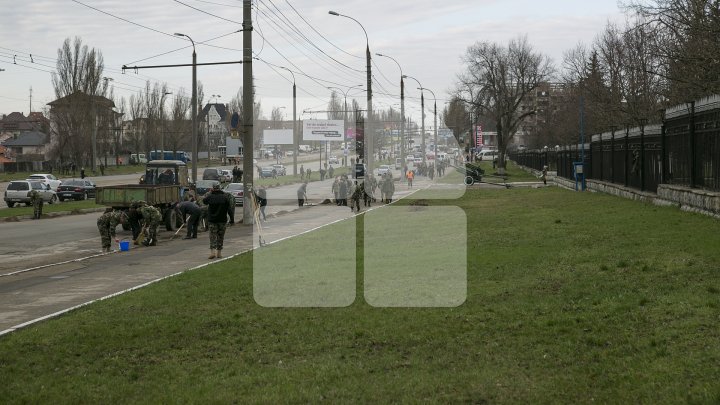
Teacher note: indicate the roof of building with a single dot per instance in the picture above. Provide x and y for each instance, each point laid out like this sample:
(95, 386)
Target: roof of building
(220, 108)
(33, 138)
(16, 121)
(83, 97)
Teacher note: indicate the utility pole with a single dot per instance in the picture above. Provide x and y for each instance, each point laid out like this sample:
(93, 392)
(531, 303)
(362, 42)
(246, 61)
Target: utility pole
(248, 114)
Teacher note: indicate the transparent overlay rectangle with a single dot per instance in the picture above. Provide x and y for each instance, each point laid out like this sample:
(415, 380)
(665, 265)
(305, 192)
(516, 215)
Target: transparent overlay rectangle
(315, 269)
(415, 256)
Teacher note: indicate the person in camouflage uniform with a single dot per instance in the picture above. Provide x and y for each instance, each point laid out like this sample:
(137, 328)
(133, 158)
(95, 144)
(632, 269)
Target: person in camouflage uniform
(356, 194)
(134, 218)
(218, 212)
(151, 220)
(37, 203)
(231, 208)
(106, 225)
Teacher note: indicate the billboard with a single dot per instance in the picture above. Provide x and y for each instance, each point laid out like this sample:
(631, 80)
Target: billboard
(278, 137)
(323, 130)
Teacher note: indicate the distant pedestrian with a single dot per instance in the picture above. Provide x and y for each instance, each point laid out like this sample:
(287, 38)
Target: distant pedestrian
(544, 175)
(410, 176)
(308, 172)
(302, 172)
(106, 223)
(302, 194)
(37, 202)
(218, 212)
(261, 197)
(151, 221)
(190, 212)
(343, 191)
(336, 190)
(355, 197)
(330, 172)
(388, 188)
(82, 172)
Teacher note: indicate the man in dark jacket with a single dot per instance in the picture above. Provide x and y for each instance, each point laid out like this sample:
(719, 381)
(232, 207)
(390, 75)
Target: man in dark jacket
(218, 211)
(186, 208)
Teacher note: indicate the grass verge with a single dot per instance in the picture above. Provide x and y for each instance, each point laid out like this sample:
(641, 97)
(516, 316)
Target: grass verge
(20, 210)
(571, 298)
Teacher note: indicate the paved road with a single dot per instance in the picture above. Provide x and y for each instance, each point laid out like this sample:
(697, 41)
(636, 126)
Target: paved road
(34, 294)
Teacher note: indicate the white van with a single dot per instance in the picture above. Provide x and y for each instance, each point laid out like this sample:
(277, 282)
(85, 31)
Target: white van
(488, 154)
(138, 158)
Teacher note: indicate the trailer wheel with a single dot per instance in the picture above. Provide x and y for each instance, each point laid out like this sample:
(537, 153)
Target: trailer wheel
(171, 220)
(469, 181)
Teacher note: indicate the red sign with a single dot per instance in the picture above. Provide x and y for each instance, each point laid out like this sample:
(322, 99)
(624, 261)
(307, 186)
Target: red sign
(478, 135)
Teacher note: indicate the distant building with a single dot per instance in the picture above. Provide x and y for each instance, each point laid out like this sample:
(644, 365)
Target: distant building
(24, 138)
(28, 146)
(214, 118)
(5, 155)
(544, 101)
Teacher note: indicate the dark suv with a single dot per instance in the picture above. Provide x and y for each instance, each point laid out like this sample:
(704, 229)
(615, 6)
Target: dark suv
(212, 174)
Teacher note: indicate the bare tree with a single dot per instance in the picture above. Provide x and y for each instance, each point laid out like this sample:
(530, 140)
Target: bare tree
(77, 81)
(179, 128)
(499, 80)
(685, 43)
(136, 109)
(335, 107)
(276, 117)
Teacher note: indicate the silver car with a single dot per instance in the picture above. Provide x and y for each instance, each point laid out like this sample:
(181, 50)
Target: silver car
(18, 192)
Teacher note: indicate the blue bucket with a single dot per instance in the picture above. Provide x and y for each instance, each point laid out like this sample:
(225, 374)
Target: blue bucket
(124, 245)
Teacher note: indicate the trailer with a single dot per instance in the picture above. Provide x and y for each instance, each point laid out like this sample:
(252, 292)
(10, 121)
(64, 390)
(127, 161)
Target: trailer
(165, 183)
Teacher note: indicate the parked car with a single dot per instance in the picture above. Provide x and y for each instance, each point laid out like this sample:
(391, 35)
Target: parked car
(138, 158)
(236, 190)
(18, 192)
(226, 175)
(213, 174)
(333, 160)
(76, 189)
(203, 186)
(382, 170)
(280, 169)
(268, 172)
(45, 178)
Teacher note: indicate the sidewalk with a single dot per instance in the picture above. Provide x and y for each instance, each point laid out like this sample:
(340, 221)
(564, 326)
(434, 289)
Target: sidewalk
(46, 292)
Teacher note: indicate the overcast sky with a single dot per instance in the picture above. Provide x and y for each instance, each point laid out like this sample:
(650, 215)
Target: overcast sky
(426, 37)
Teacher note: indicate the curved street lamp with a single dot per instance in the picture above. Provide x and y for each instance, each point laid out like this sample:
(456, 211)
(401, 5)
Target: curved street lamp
(422, 109)
(402, 105)
(345, 111)
(435, 148)
(194, 109)
(295, 135)
(369, 136)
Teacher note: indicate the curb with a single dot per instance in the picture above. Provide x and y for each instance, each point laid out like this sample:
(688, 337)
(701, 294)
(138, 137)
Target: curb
(18, 218)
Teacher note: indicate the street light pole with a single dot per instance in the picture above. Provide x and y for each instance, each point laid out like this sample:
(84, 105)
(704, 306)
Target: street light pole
(422, 108)
(296, 141)
(369, 144)
(402, 106)
(345, 122)
(162, 136)
(435, 148)
(194, 109)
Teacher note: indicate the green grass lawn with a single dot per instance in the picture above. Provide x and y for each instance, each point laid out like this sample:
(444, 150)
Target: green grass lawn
(571, 298)
(20, 210)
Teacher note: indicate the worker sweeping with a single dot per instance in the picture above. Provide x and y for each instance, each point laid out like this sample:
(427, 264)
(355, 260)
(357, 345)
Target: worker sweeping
(151, 221)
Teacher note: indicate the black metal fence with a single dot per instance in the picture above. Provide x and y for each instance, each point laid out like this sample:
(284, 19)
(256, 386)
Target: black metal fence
(684, 150)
